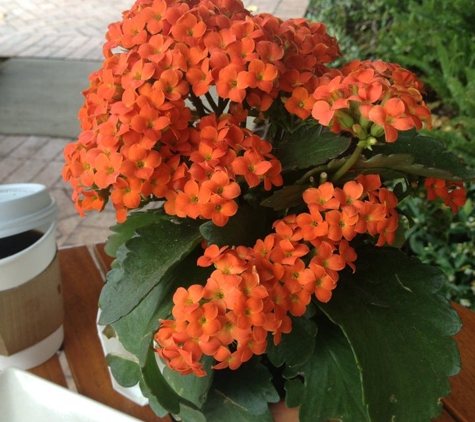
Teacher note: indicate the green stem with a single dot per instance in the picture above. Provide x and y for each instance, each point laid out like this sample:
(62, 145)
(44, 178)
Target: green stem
(306, 177)
(211, 102)
(348, 164)
(198, 104)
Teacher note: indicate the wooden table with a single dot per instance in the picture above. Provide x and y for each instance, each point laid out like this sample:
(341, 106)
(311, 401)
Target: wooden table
(83, 270)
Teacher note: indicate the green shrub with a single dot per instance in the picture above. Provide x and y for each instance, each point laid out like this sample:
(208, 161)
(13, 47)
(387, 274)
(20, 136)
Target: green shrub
(439, 238)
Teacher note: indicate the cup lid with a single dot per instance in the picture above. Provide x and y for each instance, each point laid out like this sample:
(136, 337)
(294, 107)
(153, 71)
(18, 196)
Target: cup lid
(25, 206)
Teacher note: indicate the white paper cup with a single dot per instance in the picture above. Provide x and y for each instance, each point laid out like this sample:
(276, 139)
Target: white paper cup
(31, 305)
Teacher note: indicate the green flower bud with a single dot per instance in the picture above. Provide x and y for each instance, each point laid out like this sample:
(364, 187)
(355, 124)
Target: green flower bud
(345, 119)
(359, 131)
(377, 131)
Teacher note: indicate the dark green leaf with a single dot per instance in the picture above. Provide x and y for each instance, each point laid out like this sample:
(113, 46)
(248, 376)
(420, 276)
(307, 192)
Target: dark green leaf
(400, 331)
(309, 147)
(294, 391)
(191, 387)
(429, 157)
(151, 254)
(242, 395)
(288, 196)
(156, 385)
(233, 234)
(332, 385)
(125, 370)
(187, 414)
(152, 401)
(296, 347)
(136, 329)
(124, 231)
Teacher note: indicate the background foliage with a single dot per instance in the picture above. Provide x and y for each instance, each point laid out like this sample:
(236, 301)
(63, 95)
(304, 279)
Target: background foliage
(437, 41)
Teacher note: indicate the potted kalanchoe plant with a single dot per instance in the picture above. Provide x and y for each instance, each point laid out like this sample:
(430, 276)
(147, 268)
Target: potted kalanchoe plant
(272, 265)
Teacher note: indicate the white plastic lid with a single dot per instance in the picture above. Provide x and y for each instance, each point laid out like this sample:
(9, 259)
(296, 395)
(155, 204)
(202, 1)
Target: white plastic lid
(25, 206)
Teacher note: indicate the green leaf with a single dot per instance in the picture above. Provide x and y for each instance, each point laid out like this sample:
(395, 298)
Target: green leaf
(151, 254)
(309, 147)
(429, 158)
(126, 371)
(156, 385)
(232, 234)
(294, 391)
(124, 231)
(332, 387)
(400, 332)
(287, 197)
(152, 401)
(296, 347)
(191, 387)
(135, 330)
(187, 414)
(242, 395)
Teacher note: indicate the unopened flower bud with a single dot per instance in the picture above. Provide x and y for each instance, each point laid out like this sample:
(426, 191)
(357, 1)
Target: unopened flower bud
(345, 119)
(377, 131)
(359, 131)
(368, 142)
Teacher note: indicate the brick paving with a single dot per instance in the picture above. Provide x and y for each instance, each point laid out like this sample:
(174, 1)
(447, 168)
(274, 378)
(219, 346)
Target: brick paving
(70, 30)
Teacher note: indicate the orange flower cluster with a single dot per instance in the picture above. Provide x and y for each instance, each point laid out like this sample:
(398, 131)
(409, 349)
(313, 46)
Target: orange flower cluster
(152, 125)
(370, 99)
(252, 291)
(453, 193)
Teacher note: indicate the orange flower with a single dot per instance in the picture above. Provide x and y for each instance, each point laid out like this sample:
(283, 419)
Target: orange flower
(321, 198)
(324, 283)
(259, 75)
(138, 75)
(221, 185)
(200, 78)
(171, 83)
(127, 192)
(252, 166)
(219, 209)
(211, 254)
(139, 162)
(203, 321)
(331, 262)
(229, 85)
(391, 116)
(349, 197)
(186, 301)
(191, 200)
(108, 169)
(188, 29)
(300, 103)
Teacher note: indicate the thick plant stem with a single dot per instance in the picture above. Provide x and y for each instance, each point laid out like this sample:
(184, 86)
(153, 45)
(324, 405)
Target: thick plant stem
(351, 161)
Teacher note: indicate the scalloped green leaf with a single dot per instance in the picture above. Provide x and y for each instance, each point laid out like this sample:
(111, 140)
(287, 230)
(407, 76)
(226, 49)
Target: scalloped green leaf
(232, 234)
(191, 387)
(411, 154)
(124, 231)
(310, 147)
(296, 347)
(242, 395)
(155, 385)
(430, 157)
(286, 197)
(150, 255)
(135, 330)
(400, 331)
(126, 371)
(331, 390)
